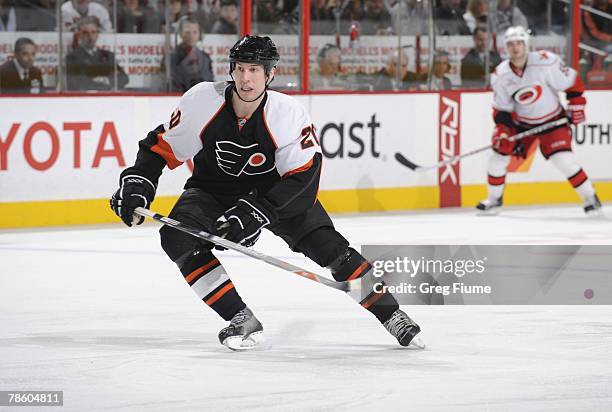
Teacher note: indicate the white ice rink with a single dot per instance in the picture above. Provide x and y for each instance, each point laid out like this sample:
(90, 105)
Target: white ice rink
(102, 314)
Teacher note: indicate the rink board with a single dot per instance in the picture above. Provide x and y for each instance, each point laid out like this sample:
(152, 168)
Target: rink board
(60, 157)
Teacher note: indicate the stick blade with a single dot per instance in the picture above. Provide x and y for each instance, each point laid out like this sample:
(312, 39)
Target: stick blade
(400, 158)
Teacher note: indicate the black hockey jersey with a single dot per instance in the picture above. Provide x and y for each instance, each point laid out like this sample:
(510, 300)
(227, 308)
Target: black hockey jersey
(275, 152)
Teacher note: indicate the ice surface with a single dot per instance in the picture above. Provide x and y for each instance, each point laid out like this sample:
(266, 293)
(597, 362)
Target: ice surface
(102, 314)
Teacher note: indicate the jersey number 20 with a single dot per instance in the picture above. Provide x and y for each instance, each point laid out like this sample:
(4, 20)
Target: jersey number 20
(309, 138)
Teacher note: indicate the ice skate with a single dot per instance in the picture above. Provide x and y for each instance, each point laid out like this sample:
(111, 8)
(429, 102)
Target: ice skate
(489, 207)
(243, 333)
(592, 208)
(404, 329)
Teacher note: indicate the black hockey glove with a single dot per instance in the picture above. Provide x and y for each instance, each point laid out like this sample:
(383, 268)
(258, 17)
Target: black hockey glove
(243, 222)
(134, 191)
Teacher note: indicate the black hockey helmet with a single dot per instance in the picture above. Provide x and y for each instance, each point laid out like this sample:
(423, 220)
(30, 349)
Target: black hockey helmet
(254, 49)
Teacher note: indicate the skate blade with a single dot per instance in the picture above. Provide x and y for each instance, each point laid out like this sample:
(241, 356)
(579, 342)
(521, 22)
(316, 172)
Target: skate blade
(417, 343)
(240, 343)
(597, 214)
(490, 212)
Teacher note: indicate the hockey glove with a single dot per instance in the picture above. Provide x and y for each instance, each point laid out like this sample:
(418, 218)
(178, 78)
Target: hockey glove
(519, 149)
(134, 191)
(501, 144)
(575, 109)
(243, 222)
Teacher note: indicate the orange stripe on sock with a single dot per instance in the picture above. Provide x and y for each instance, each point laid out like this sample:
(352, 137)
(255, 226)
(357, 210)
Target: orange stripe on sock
(190, 277)
(372, 300)
(358, 271)
(496, 181)
(578, 179)
(219, 294)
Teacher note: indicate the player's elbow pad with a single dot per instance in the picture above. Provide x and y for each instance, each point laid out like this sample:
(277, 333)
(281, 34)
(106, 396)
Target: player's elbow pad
(505, 118)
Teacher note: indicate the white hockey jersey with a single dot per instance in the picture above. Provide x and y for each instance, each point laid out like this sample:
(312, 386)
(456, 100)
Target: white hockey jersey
(533, 96)
(202, 123)
(274, 152)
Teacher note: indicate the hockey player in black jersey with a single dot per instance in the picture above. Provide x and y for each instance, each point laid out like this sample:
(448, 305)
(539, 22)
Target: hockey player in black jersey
(257, 164)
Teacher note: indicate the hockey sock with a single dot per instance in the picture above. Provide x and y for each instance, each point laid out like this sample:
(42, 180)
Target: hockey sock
(351, 265)
(566, 163)
(497, 175)
(207, 278)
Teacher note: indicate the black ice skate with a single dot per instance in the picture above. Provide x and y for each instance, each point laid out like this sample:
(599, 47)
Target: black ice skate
(244, 331)
(404, 329)
(489, 207)
(593, 207)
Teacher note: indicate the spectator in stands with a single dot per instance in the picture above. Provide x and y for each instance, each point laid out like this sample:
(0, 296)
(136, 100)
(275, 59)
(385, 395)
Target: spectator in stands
(134, 16)
(535, 12)
(266, 17)
(290, 15)
(508, 15)
(396, 76)
(75, 10)
(188, 64)
(40, 15)
(348, 12)
(19, 75)
(473, 73)
(227, 23)
(206, 13)
(289, 6)
(89, 67)
(321, 10)
(413, 16)
(441, 66)
(538, 15)
(321, 17)
(375, 18)
(596, 29)
(177, 10)
(328, 74)
(11, 16)
(449, 18)
(476, 14)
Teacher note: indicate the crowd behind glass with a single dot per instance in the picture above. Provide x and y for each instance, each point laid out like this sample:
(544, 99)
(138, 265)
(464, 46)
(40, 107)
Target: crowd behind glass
(415, 40)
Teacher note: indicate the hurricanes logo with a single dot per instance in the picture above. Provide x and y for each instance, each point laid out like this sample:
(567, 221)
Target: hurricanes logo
(236, 160)
(527, 95)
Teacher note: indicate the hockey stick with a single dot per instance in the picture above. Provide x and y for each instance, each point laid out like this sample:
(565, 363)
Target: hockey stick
(536, 130)
(348, 286)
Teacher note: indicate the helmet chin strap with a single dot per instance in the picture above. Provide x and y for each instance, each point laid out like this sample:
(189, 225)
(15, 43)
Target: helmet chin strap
(255, 99)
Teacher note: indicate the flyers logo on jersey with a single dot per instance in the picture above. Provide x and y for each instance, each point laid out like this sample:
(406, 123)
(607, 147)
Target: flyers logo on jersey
(237, 160)
(528, 94)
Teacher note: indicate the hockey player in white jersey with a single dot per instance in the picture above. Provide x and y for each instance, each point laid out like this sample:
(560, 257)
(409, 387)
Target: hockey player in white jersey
(526, 94)
(257, 164)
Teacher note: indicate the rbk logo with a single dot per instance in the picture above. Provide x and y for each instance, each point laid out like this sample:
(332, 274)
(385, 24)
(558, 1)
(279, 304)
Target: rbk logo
(236, 160)
(449, 131)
